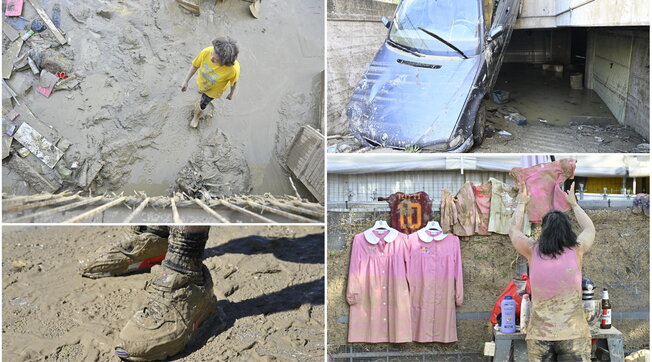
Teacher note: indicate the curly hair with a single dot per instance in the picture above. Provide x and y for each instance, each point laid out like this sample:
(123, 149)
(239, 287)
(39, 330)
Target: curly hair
(556, 234)
(226, 49)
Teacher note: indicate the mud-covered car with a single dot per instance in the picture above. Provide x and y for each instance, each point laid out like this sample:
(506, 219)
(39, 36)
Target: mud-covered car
(426, 84)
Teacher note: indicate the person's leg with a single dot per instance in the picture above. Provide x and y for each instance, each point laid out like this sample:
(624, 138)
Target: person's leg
(574, 350)
(199, 109)
(140, 249)
(538, 351)
(180, 298)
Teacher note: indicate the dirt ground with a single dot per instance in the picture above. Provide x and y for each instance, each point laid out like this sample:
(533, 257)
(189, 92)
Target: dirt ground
(269, 281)
(128, 111)
(619, 261)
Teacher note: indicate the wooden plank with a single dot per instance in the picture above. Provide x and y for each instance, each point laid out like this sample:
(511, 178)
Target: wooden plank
(296, 209)
(9, 57)
(246, 212)
(137, 211)
(212, 212)
(277, 211)
(175, 212)
(96, 210)
(29, 198)
(46, 19)
(10, 32)
(57, 210)
(34, 205)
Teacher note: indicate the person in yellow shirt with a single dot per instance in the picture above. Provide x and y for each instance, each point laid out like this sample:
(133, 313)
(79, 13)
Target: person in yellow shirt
(218, 67)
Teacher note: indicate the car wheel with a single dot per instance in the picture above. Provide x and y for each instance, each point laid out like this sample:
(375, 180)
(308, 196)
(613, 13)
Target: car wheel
(478, 125)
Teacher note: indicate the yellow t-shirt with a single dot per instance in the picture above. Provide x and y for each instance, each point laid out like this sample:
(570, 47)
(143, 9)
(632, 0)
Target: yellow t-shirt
(213, 78)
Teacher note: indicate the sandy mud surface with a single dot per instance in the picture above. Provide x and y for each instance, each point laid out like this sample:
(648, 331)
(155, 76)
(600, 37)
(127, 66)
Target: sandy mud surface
(269, 281)
(128, 112)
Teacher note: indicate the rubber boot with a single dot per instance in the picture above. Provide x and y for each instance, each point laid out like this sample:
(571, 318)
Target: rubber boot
(196, 113)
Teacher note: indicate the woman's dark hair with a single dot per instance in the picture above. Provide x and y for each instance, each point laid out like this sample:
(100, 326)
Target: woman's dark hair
(556, 234)
(226, 49)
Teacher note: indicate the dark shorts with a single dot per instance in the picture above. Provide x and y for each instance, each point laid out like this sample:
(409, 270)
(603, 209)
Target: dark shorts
(571, 350)
(204, 101)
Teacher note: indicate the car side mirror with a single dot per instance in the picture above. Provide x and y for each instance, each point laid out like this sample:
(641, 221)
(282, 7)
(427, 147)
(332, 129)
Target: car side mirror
(385, 21)
(495, 32)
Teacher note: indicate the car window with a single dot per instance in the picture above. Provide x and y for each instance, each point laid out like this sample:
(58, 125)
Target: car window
(458, 22)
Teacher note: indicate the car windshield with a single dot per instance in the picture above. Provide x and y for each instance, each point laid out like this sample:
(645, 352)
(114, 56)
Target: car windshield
(456, 21)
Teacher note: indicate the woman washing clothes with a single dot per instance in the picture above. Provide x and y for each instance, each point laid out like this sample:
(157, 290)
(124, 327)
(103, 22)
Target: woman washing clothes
(557, 329)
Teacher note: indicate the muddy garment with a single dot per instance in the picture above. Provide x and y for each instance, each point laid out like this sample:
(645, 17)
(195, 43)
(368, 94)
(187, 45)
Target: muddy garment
(448, 212)
(503, 205)
(482, 196)
(377, 289)
(464, 203)
(409, 212)
(573, 350)
(557, 313)
(436, 285)
(543, 184)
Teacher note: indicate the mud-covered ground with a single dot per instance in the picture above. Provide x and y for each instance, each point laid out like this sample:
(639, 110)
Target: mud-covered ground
(128, 112)
(619, 261)
(269, 281)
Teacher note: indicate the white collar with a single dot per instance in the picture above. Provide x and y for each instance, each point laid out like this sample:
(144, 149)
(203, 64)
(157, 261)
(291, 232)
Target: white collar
(373, 239)
(425, 237)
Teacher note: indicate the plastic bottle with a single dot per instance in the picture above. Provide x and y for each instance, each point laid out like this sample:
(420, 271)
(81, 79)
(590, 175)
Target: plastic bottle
(525, 312)
(508, 315)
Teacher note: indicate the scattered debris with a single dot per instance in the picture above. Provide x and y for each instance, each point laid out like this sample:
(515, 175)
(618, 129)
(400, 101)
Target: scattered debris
(500, 96)
(12, 129)
(504, 133)
(9, 57)
(517, 118)
(11, 33)
(46, 19)
(543, 120)
(38, 145)
(23, 152)
(47, 83)
(17, 22)
(88, 172)
(6, 146)
(14, 8)
(598, 139)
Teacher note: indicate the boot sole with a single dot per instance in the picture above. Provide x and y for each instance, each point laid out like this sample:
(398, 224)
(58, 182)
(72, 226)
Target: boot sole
(178, 345)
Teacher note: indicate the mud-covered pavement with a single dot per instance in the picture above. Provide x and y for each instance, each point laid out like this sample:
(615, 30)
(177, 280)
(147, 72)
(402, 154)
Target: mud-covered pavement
(128, 111)
(269, 281)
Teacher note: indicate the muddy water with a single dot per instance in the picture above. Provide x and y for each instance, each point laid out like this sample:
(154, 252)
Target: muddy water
(132, 59)
(547, 95)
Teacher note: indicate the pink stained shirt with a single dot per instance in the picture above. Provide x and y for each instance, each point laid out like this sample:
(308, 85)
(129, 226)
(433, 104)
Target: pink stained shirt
(436, 285)
(557, 312)
(482, 196)
(377, 290)
(542, 183)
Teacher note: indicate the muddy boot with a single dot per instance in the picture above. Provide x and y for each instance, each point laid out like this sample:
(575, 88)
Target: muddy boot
(139, 250)
(176, 306)
(196, 114)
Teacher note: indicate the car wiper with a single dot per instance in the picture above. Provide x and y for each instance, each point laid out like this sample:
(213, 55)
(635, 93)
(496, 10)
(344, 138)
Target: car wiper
(443, 41)
(403, 47)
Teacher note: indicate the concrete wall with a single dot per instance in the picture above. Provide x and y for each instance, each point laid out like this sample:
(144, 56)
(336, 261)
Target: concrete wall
(618, 70)
(557, 13)
(619, 260)
(355, 34)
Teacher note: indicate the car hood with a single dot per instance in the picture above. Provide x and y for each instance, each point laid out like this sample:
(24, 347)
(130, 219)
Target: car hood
(404, 100)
